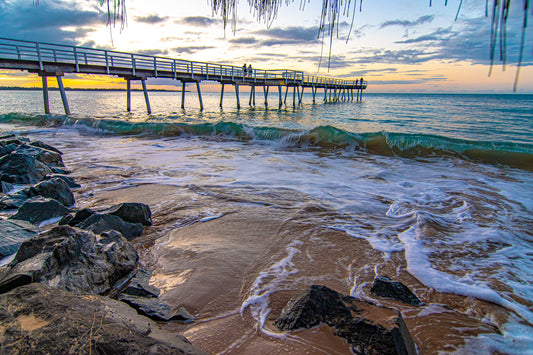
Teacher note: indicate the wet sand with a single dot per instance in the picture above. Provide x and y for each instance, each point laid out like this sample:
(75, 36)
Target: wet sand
(213, 250)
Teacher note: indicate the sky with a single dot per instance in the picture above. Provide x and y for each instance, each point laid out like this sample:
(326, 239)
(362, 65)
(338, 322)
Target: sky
(397, 45)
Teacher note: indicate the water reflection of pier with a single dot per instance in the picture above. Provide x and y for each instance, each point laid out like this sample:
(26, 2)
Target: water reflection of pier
(54, 60)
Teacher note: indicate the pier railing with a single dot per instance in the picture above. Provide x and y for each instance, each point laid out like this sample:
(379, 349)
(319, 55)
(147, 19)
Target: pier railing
(42, 53)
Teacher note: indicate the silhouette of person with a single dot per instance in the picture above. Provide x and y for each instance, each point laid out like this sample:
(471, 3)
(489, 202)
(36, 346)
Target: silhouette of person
(244, 69)
(250, 70)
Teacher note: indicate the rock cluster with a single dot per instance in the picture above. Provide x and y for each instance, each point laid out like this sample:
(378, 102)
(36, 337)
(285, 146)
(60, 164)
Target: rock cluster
(44, 289)
(368, 328)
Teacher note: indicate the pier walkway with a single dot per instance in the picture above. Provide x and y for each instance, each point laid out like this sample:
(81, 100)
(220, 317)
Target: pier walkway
(55, 60)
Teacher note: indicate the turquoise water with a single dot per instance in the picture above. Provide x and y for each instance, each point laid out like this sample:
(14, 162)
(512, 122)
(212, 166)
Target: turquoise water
(445, 179)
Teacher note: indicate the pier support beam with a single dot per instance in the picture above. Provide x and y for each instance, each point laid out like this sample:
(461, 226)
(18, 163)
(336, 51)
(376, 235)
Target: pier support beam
(325, 94)
(46, 102)
(128, 95)
(300, 95)
(286, 91)
(183, 87)
(63, 95)
(294, 96)
(237, 95)
(265, 92)
(148, 108)
(221, 94)
(313, 91)
(199, 92)
(280, 100)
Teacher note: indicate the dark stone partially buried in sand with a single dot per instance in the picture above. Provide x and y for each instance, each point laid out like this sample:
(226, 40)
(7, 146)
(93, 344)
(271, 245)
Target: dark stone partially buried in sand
(155, 309)
(71, 259)
(385, 287)
(37, 319)
(39, 209)
(140, 286)
(368, 328)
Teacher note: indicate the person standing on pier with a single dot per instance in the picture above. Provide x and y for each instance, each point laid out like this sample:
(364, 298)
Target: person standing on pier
(244, 70)
(250, 70)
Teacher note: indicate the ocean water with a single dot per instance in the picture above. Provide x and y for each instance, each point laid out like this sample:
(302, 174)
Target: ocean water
(445, 181)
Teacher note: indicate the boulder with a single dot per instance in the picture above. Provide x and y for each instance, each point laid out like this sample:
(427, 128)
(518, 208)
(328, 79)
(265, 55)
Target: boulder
(48, 157)
(55, 188)
(76, 218)
(6, 187)
(12, 201)
(8, 149)
(37, 319)
(45, 146)
(12, 234)
(71, 259)
(385, 287)
(99, 223)
(39, 209)
(58, 170)
(18, 168)
(368, 328)
(155, 309)
(140, 286)
(69, 180)
(132, 212)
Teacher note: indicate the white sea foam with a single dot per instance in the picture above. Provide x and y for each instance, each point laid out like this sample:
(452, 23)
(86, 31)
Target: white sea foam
(262, 288)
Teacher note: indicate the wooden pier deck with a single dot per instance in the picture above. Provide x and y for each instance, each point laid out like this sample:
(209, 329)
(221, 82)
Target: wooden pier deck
(56, 60)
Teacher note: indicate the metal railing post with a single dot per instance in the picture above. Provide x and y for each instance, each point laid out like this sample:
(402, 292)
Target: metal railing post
(39, 56)
(106, 63)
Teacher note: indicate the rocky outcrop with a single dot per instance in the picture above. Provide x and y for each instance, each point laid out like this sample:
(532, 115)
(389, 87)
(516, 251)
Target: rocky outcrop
(55, 188)
(132, 212)
(385, 287)
(38, 319)
(368, 328)
(71, 259)
(140, 286)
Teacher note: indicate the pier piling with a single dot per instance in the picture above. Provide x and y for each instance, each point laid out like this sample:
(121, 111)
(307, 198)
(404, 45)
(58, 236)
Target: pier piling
(45, 95)
(63, 94)
(148, 108)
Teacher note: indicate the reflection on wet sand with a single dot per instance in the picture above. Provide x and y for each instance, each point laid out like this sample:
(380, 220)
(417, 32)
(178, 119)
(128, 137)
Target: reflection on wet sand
(234, 257)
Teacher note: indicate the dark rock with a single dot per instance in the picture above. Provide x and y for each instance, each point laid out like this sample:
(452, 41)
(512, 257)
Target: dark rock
(13, 140)
(55, 188)
(6, 187)
(37, 319)
(69, 180)
(58, 170)
(45, 146)
(385, 287)
(45, 156)
(6, 136)
(132, 212)
(22, 169)
(76, 218)
(99, 223)
(12, 234)
(368, 328)
(140, 286)
(8, 149)
(39, 209)
(13, 201)
(71, 259)
(155, 309)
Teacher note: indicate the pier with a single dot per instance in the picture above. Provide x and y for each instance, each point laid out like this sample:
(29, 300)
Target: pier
(55, 60)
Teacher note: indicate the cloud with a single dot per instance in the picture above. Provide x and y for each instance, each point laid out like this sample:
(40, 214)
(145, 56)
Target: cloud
(190, 50)
(153, 52)
(291, 34)
(406, 23)
(244, 40)
(47, 21)
(151, 19)
(198, 21)
(438, 35)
